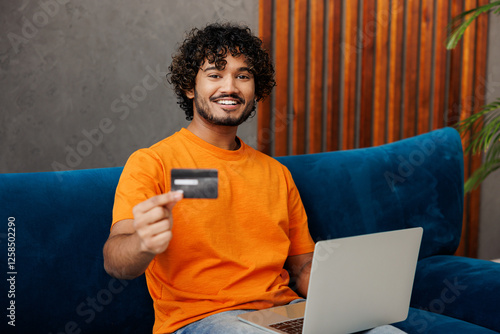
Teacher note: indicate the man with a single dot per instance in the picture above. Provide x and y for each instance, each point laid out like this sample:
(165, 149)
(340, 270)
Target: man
(204, 257)
(207, 260)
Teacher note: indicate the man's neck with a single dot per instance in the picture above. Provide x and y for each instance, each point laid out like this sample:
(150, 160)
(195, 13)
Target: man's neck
(218, 135)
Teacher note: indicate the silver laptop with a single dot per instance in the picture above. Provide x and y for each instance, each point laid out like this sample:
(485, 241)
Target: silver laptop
(356, 283)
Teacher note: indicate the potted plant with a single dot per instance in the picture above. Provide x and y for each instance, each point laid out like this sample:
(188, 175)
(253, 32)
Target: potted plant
(485, 134)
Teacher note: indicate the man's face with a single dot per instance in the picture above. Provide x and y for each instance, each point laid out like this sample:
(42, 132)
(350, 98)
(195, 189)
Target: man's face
(224, 97)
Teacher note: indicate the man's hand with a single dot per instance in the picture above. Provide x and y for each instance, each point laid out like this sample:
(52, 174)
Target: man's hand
(153, 221)
(299, 267)
(133, 243)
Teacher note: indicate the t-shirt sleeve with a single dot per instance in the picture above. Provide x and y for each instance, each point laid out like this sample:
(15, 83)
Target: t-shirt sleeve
(143, 177)
(300, 238)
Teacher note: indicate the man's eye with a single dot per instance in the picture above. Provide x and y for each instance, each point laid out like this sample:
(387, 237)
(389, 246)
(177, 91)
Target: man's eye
(215, 76)
(243, 76)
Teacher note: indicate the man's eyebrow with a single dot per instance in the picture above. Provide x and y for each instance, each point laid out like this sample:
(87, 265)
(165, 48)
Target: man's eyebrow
(241, 69)
(209, 68)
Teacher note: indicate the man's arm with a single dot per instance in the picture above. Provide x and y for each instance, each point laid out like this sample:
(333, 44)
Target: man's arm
(299, 267)
(133, 243)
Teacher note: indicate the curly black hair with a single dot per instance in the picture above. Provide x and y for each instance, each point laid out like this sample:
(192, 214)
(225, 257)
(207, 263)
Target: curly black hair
(213, 43)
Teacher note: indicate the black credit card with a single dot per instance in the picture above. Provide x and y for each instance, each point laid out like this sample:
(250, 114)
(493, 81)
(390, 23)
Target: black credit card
(196, 183)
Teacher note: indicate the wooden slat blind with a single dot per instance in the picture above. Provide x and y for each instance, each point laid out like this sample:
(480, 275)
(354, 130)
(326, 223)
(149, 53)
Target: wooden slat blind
(367, 42)
(381, 80)
(349, 51)
(424, 66)
(359, 73)
(334, 20)
(396, 69)
(440, 64)
(299, 77)
(411, 48)
(264, 119)
(281, 91)
(472, 98)
(316, 76)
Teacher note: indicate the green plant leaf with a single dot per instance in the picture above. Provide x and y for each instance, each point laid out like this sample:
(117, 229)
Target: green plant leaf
(482, 133)
(460, 23)
(483, 127)
(480, 174)
(494, 150)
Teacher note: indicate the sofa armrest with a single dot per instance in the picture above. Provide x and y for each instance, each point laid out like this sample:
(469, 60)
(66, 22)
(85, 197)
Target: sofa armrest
(462, 288)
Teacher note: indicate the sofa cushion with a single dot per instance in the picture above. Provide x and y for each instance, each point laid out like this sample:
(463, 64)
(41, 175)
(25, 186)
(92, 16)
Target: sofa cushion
(459, 287)
(421, 321)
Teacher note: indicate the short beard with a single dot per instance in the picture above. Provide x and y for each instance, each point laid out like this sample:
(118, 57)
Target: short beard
(202, 110)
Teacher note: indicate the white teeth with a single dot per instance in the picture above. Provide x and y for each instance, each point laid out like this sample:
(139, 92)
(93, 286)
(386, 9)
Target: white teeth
(227, 102)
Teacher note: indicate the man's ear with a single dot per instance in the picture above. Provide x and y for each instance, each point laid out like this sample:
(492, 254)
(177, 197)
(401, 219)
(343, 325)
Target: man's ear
(189, 93)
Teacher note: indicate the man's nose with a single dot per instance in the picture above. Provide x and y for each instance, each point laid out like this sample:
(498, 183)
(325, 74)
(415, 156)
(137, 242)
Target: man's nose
(229, 85)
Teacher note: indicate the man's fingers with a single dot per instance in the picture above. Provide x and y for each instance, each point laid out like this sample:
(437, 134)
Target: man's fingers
(161, 227)
(178, 195)
(157, 243)
(169, 199)
(155, 214)
(153, 221)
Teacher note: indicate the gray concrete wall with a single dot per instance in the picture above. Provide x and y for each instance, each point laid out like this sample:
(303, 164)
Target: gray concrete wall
(82, 82)
(489, 228)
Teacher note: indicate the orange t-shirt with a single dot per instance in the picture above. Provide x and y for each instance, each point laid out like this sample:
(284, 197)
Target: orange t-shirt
(226, 253)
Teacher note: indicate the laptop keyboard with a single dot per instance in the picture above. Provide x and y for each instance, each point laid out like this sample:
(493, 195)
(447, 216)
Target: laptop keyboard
(293, 326)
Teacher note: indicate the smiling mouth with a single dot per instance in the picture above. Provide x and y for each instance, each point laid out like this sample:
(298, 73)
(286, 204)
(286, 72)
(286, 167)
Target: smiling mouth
(228, 100)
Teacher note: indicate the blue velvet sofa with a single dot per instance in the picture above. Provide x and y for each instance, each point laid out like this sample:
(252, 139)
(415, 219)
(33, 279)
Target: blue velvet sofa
(54, 225)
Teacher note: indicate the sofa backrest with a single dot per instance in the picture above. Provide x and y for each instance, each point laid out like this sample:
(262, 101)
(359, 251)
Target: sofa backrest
(62, 221)
(413, 182)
